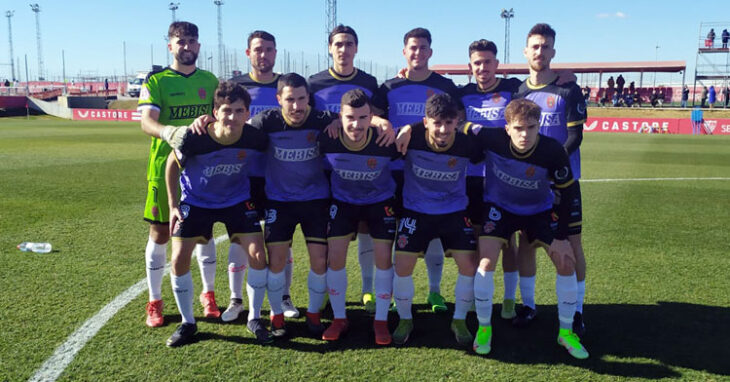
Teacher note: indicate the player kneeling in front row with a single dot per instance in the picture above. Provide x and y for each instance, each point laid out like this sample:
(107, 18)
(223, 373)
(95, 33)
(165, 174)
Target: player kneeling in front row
(517, 195)
(215, 187)
(362, 189)
(434, 201)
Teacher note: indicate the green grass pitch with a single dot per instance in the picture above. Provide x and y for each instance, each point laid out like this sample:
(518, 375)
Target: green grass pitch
(657, 301)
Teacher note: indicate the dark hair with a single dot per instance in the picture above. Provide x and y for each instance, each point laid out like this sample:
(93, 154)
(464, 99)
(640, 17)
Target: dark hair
(262, 35)
(230, 92)
(522, 108)
(417, 33)
(355, 98)
(182, 28)
(542, 29)
(292, 80)
(482, 46)
(343, 29)
(441, 106)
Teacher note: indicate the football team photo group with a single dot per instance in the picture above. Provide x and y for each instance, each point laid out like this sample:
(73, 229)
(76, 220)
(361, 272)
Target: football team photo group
(413, 168)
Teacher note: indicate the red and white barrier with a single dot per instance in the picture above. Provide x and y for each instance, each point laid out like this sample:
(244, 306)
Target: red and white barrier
(713, 126)
(106, 115)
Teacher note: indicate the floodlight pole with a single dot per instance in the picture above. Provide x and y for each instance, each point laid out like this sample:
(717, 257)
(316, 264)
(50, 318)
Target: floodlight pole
(173, 7)
(37, 9)
(506, 15)
(221, 70)
(331, 23)
(10, 14)
(656, 60)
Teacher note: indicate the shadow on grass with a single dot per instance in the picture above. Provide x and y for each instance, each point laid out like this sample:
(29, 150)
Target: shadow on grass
(631, 341)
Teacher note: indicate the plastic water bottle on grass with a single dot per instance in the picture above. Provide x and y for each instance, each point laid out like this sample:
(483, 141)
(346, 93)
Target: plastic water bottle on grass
(35, 247)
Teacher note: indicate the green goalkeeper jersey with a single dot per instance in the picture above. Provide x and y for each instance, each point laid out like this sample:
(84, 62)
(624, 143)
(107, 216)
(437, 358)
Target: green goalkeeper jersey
(180, 99)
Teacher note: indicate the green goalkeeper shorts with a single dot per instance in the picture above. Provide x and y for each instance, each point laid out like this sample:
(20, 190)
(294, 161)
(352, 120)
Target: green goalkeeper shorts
(156, 210)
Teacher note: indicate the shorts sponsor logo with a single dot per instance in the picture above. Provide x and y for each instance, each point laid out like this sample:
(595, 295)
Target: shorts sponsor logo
(389, 211)
(184, 211)
(494, 214)
(333, 211)
(402, 241)
(407, 224)
(439, 176)
(222, 169)
(250, 205)
(270, 216)
(514, 181)
(467, 221)
(489, 226)
(554, 216)
(357, 175)
(296, 155)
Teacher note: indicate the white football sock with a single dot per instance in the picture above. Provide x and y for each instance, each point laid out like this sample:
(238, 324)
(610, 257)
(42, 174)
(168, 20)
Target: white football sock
(527, 291)
(275, 288)
(510, 284)
(207, 263)
(155, 256)
(383, 292)
(256, 289)
(288, 272)
(366, 258)
(483, 294)
(317, 289)
(182, 288)
(566, 288)
(434, 259)
(337, 287)
(463, 296)
(237, 263)
(581, 296)
(403, 292)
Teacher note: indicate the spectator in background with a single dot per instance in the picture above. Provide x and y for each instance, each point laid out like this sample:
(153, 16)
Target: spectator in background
(6, 83)
(713, 96)
(620, 82)
(661, 98)
(727, 94)
(628, 99)
(587, 94)
(637, 98)
(711, 38)
(685, 96)
(632, 87)
(654, 98)
(725, 38)
(616, 100)
(604, 99)
(704, 95)
(106, 84)
(610, 83)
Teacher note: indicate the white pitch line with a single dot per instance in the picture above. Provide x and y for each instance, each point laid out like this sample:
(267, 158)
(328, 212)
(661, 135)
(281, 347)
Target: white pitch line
(647, 179)
(64, 354)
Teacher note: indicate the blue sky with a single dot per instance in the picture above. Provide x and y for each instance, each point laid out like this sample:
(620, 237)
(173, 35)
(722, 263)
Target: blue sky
(92, 32)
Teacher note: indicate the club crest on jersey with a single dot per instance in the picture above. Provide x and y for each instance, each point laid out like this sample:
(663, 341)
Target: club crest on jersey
(551, 101)
(241, 155)
(402, 241)
(372, 163)
(452, 162)
(530, 172)
(311, 137)
(430, 92)
(202, 93)
(496, 97)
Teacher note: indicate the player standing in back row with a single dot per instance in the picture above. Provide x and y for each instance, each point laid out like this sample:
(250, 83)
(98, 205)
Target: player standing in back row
(169, 99)
(403, 100)
(563, 115)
